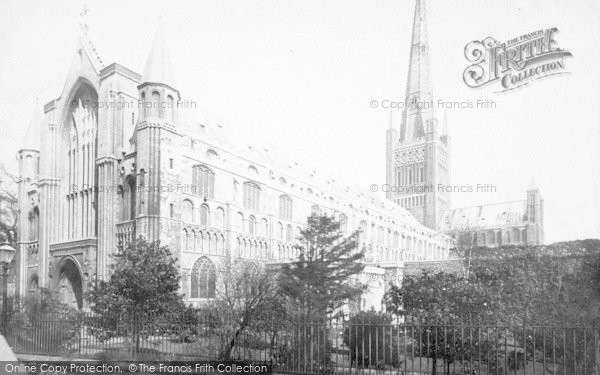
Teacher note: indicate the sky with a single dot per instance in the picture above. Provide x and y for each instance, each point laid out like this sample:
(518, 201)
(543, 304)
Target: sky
(300, 75)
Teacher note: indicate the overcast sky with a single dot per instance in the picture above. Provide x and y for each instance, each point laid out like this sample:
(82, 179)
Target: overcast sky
(301, 75)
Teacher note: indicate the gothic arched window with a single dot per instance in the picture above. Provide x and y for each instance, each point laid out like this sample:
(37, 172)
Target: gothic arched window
(265, 228)
(252, 225)
(239, 222)
(204, 279)
(203, 181)
(187, 211)
(251, 195)
(204, 213)
(285, 207)
(219, 218)
(288, 233)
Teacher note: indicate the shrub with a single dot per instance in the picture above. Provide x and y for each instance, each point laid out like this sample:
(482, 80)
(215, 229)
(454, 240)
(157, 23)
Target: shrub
(373, 340)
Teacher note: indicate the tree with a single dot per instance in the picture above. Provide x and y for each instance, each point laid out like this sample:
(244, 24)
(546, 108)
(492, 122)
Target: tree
(435, 301)
(318, 282)
(246, 305)
(553, 285)
(321, 279)
(142, 290)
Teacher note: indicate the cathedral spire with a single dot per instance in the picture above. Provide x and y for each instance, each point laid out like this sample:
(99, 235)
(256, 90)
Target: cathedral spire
(418, 111)
(158, 69)
(31, 139)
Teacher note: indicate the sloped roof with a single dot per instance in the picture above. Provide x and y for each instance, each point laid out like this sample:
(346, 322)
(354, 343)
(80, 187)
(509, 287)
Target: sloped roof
(31, 138)
(282, 162)
(158, 67)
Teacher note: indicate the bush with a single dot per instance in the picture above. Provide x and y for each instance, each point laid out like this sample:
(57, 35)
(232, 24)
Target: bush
(373, 340)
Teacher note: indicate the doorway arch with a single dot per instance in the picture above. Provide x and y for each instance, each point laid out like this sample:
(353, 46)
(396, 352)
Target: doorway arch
(70, 286)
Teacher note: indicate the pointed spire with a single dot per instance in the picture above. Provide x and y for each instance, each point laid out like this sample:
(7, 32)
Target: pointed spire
(418, 89)
(532, 185)
(85, 41)
(158, 67)
(31, 139)
(445, 124)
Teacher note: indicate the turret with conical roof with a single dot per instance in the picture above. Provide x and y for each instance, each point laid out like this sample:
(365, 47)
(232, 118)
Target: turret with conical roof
(157, 88)
(30, 146)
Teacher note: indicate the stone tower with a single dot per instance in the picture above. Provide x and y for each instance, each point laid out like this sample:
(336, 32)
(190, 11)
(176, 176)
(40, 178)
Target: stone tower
(29, 158)
(535, 215)
(418, 159)
(156, 137)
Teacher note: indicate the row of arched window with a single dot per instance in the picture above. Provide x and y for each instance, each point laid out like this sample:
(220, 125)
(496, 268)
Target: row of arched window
(189, 215)
(156, 107)
(515, 236)
(252, 249)
(203, 241)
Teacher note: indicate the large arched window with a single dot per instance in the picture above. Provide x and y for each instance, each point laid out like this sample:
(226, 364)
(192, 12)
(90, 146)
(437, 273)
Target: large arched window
(239, 222)
(251, 196)
(204, 213)
(203, 181)
(187, 211)
(219, 218)
(515, 236)
(285, 207)
(204, 279)
(265, 228)
(288, 233)
(252, 225)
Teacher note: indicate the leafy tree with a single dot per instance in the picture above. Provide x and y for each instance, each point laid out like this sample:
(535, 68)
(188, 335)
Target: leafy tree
(513, 286)
(321, 279)
(433, 302)
(142, 292)
(318, 282)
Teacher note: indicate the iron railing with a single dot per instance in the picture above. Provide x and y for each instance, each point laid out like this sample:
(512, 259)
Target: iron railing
(334, 346)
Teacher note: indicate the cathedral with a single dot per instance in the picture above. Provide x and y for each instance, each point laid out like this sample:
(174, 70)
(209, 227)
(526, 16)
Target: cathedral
(96, 172)
(418, 167)
(93, 177)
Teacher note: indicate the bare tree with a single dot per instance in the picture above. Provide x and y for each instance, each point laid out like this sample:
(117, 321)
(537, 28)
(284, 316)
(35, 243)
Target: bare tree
(246, 301)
